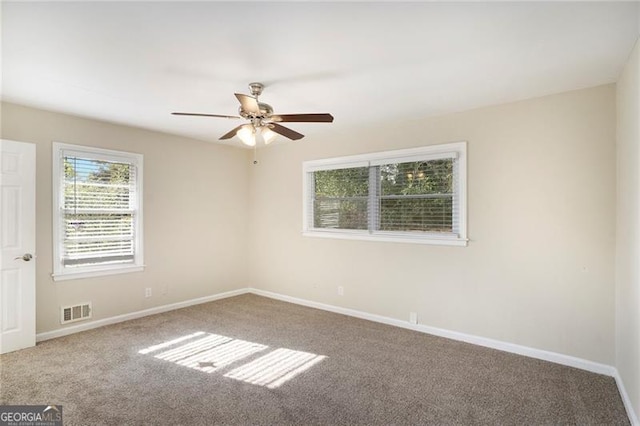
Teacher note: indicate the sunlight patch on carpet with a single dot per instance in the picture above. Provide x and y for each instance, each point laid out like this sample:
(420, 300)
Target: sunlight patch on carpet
(170, 343)
(275, 368)
(208, 353)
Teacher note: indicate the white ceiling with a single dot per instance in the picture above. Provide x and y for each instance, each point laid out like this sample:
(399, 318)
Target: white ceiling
(134, 63)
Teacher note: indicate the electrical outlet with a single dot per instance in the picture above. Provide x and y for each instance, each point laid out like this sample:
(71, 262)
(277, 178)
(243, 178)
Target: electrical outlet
(340, 290)
(413, 317)
(147, 292)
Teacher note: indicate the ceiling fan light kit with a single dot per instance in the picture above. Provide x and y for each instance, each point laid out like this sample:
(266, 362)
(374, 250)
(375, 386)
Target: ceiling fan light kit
(252, 136)
(263, 125)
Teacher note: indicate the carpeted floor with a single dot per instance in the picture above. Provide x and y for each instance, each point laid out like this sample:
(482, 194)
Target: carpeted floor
(256, 361)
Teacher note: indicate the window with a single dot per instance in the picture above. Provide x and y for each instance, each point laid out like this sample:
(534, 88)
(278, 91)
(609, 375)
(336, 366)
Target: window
(412, 195)
(97, 212)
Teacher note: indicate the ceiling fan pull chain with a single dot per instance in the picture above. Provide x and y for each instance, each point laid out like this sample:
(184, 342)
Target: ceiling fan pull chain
(255, 154)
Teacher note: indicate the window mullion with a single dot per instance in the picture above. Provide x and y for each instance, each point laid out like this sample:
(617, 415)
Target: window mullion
(455, 199)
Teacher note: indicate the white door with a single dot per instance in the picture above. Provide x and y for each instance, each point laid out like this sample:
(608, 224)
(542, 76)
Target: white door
(17, 243)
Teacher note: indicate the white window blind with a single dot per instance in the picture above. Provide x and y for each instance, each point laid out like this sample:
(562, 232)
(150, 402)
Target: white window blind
(417, 196)
(98, 211)
(411, 195)
(341, 198)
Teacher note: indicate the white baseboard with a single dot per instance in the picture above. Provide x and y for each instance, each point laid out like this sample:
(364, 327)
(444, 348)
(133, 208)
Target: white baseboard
(633, 418)
(133, 315)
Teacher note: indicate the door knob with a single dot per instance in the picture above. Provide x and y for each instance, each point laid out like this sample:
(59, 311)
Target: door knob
(26, 257)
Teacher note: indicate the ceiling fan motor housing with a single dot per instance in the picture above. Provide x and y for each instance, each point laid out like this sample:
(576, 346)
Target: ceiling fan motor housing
(265, 111)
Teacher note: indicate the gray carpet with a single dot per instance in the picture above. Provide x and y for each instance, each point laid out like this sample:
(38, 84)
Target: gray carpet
(255, 361)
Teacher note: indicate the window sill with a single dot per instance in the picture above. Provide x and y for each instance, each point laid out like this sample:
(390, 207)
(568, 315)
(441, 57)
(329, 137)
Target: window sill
(96, 272)
(387, 237)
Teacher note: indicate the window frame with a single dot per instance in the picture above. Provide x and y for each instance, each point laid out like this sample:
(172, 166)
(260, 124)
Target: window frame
(60, 272)
(456, 150)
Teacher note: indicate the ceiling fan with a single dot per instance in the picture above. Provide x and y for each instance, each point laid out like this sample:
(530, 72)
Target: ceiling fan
(263, 124)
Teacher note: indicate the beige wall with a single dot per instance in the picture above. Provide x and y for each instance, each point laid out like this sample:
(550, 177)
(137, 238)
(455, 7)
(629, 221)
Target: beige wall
(628, 229)
(539, 269)
(195, 198)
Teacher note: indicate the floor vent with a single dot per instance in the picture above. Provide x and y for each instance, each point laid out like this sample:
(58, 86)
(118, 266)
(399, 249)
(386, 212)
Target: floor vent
(75, 313)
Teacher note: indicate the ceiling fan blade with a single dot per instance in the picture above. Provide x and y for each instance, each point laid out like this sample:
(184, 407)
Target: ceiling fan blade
(249, 103)
(286, 132)
(196, 114)
(232, 133)
(302, 118)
